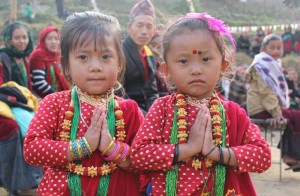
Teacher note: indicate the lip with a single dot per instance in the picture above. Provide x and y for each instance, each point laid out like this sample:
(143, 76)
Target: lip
(197, 81)
(21, 46)
(53, 48)
(143, 38)
(95, 79)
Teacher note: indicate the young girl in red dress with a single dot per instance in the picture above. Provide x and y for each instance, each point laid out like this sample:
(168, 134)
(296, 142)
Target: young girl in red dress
(82, 137)
(193, 142)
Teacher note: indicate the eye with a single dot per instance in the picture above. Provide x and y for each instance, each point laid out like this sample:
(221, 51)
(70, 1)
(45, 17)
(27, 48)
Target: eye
(183, 61)
(206, 59)
(106, 57)
(82, 57)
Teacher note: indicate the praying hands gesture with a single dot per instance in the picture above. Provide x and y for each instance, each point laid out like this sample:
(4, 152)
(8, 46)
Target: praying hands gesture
(110, 148)
(105, 137)
(200, 137)
(93, 133)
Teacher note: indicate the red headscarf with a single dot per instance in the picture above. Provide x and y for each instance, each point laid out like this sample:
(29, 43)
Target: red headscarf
(42, 58)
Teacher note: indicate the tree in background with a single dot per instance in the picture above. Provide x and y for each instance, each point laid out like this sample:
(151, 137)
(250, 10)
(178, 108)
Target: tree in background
(60, 8)
(291, 3)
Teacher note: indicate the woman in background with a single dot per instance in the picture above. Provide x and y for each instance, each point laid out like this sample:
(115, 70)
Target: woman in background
(45, 67)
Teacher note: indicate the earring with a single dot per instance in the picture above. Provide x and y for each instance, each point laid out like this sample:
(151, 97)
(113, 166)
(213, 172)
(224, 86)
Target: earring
(169, 79)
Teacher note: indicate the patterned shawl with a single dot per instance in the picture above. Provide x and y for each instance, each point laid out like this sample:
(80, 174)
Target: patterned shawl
(269, 69)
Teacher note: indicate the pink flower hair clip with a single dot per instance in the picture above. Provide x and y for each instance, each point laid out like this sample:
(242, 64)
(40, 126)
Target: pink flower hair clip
(214, 25)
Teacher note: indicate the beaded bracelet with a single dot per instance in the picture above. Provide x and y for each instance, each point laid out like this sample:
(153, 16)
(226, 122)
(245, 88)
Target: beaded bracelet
(87, 145)
(79, 149)
(75, 152)
(86, 152)
(108, 147)
(114, 153)
(71, 150)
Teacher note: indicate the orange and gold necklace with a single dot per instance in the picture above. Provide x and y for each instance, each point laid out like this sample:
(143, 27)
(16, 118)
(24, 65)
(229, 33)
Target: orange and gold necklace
(70, 124)
(180, 134)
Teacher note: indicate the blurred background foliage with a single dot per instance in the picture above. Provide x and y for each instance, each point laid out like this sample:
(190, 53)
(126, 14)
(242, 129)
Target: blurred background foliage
(233, 12)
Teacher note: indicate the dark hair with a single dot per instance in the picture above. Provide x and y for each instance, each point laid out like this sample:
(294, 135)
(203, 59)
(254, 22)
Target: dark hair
(268, 38)
(188, 24)
(84, 27)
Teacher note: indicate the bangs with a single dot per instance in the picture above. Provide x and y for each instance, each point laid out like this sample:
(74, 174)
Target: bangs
(90, 33)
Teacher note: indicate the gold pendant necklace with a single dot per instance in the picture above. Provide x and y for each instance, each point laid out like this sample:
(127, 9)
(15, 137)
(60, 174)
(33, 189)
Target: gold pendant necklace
(95, 100)
(197, 102)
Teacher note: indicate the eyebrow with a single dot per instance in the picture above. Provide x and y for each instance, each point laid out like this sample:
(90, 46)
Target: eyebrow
(205, 51)
(87, 51)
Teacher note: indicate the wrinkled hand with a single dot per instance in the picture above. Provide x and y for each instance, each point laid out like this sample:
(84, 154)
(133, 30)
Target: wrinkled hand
(93, 134)
(105, 138)
(198, 131)
(276, 121)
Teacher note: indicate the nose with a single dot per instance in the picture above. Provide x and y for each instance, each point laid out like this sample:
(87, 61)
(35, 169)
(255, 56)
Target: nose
(278, 52)
(196, 69)
(95, 65)
(22, 40)
(144, 30)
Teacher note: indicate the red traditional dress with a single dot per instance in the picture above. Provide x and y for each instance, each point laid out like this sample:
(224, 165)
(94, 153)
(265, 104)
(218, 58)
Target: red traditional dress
(42, 146)
(152, 151)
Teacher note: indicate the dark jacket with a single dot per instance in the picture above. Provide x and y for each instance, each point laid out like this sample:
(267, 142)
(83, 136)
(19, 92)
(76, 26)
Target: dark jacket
(136, 88)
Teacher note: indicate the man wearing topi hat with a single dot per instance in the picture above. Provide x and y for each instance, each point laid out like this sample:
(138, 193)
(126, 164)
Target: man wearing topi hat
(140, 77)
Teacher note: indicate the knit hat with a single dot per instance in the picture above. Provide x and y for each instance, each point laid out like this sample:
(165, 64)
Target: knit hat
(143, 7)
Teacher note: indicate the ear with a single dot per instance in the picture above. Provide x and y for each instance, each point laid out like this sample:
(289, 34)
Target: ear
(128, 26)
(164, 68)
(224, 66)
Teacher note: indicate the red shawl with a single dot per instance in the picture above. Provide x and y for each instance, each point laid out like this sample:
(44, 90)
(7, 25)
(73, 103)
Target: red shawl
(8, 127)
(42, 58)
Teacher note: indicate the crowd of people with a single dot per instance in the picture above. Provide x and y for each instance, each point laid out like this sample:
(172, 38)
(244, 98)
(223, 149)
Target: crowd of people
(87, 113)
(251, 46)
